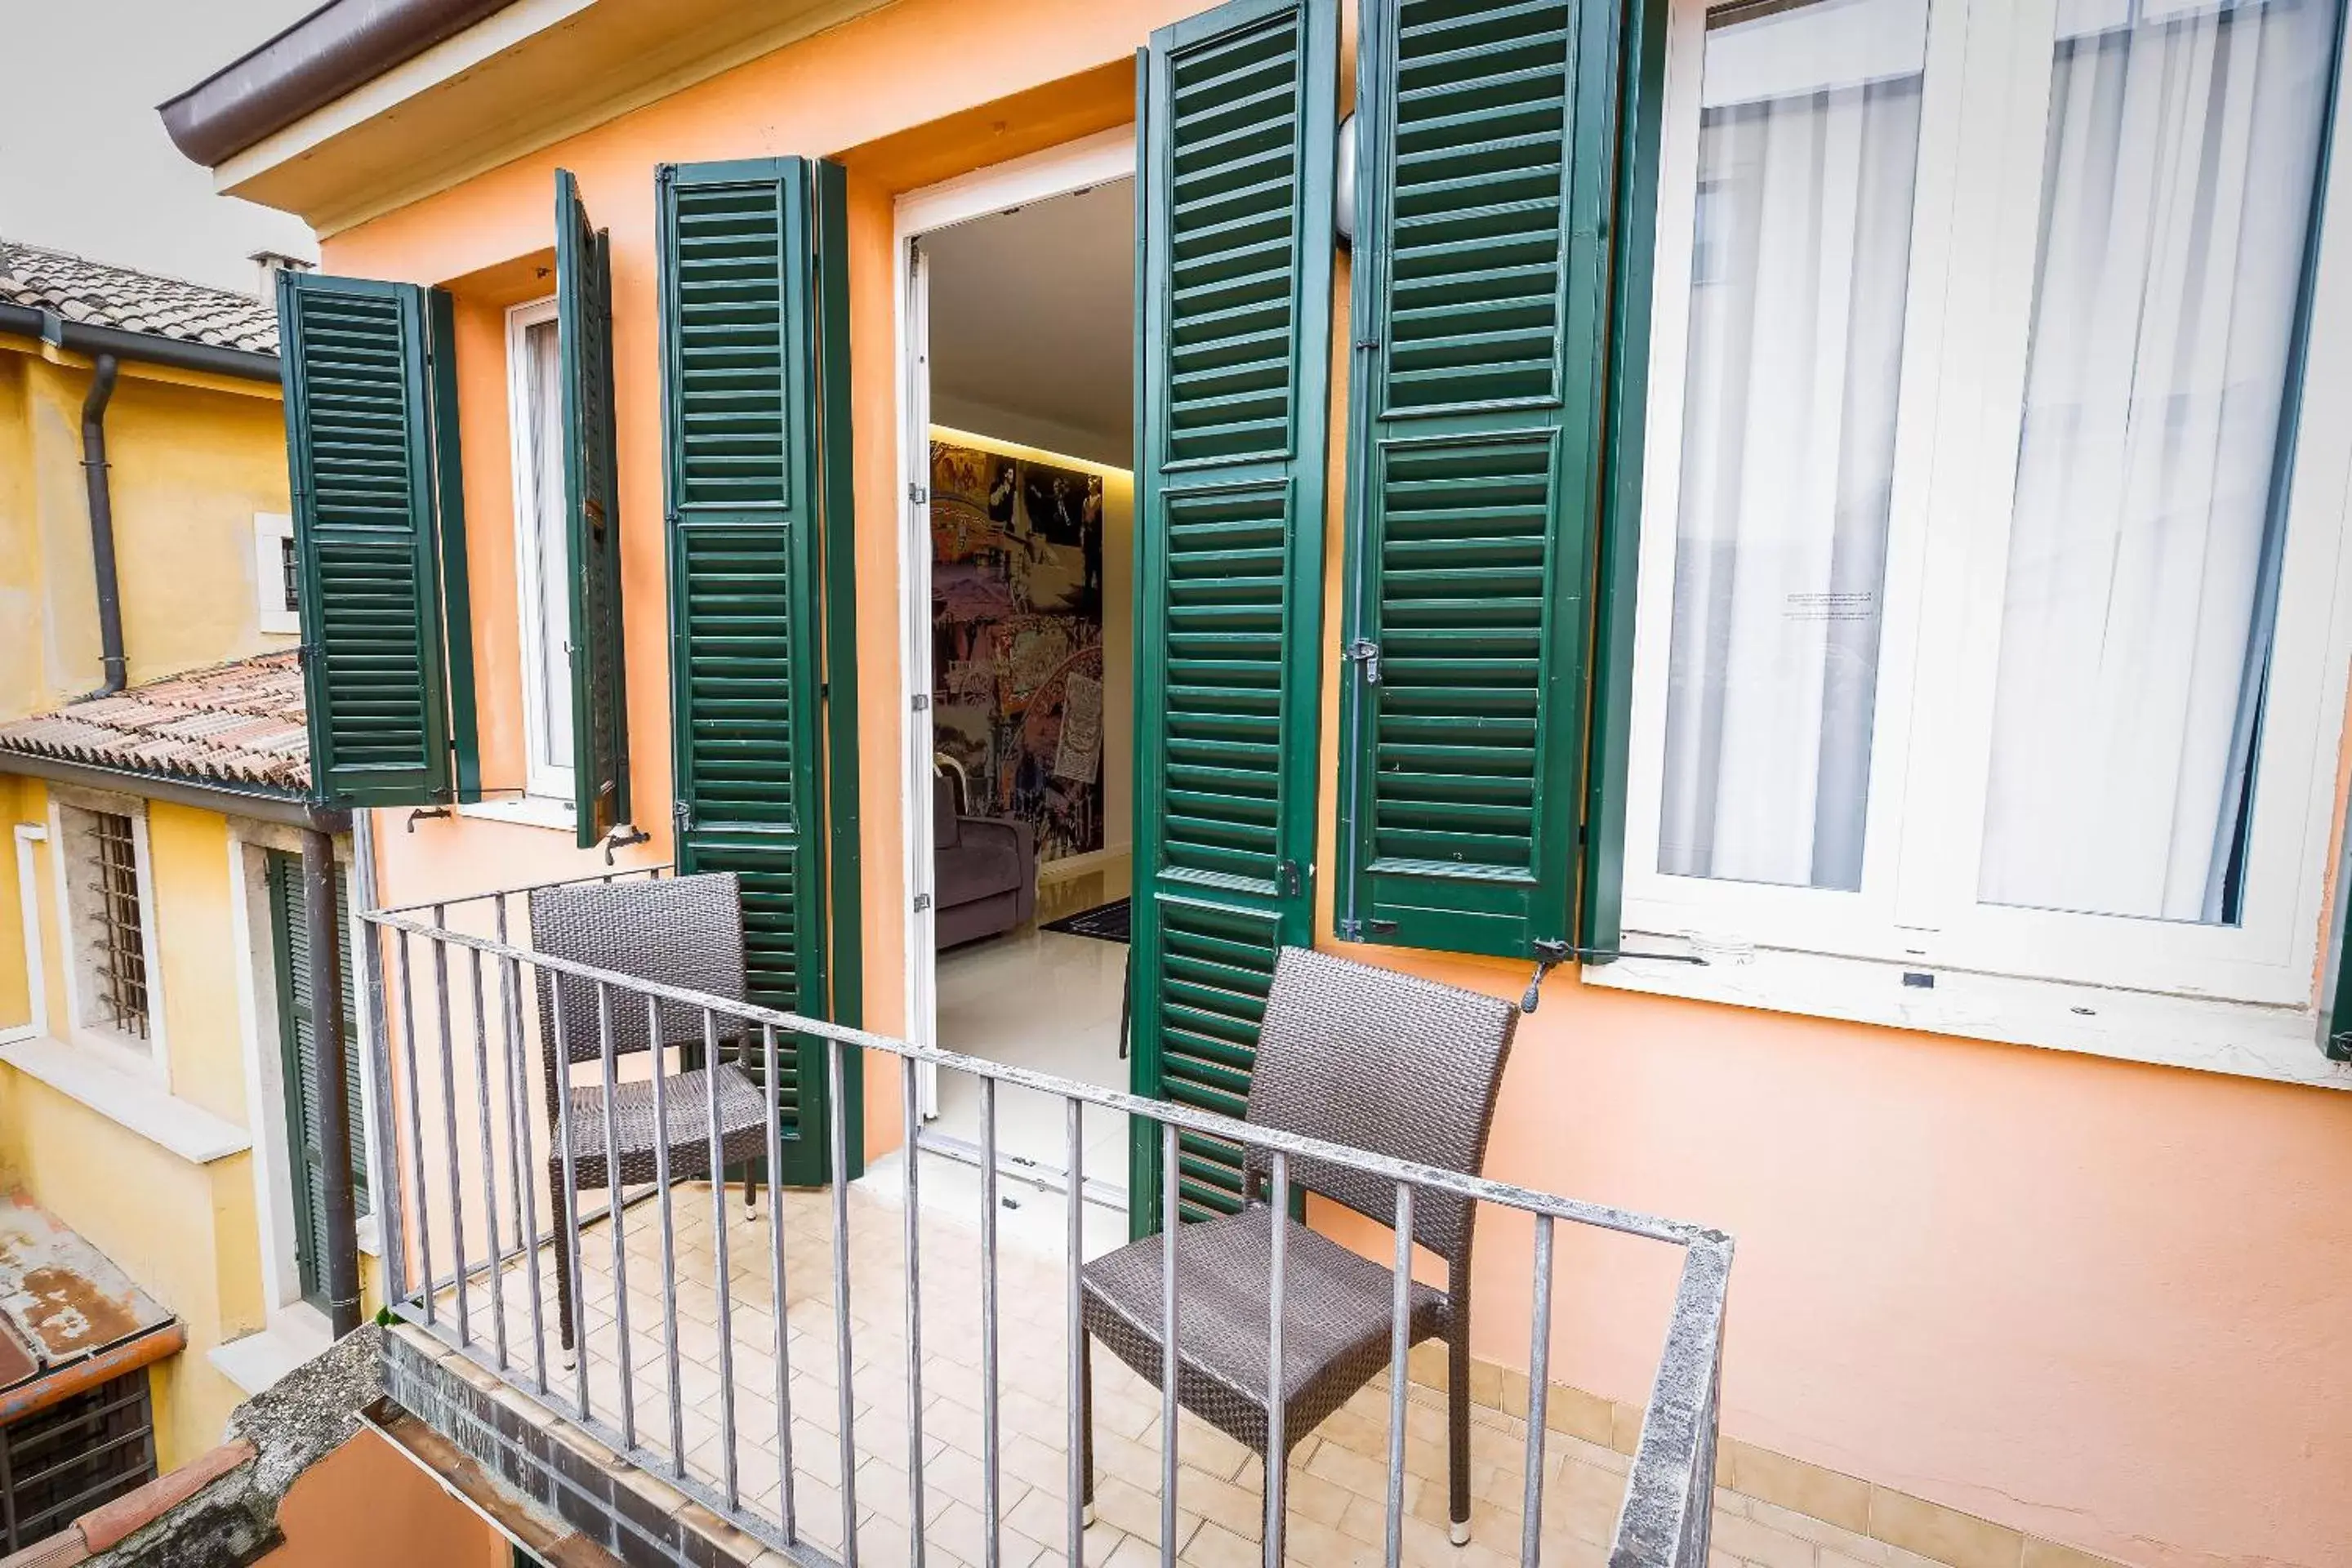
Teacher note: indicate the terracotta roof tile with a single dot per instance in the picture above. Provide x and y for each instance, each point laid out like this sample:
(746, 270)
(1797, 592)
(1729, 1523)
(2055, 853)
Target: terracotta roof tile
(240, 724)
(101, 295)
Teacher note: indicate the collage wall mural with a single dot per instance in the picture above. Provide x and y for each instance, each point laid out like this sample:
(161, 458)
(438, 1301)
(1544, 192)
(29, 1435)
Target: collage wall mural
(1017, 640)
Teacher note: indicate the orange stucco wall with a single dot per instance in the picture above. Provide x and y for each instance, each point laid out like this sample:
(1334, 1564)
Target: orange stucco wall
(2103, 1302)
(364, 1506)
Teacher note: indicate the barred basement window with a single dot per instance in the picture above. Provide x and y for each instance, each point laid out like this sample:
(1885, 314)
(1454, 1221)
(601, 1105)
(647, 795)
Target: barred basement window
(120, 958)
(84, 1451)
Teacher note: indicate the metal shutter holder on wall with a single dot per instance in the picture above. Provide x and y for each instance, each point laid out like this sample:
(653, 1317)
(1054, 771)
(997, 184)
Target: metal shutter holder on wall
(1485, 182)
(1239, 117)
(583, 315)
(754, 377)
(379, 524)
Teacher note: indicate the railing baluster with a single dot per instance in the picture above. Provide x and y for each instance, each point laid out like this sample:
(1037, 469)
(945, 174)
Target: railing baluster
(449, 1129)
(786, 1517)
(562, 1078)
(1074, 1325)
(1277, 1417)
(1169, 1212)
(718, 1262)
(1539, 1388)
(659, 1052)
(489, 1159)
(1400, 1374)
(990, 1417)
(518, 1160)
(910, 1125)
(837, 1151)
(416, 1132)
(612, 1215)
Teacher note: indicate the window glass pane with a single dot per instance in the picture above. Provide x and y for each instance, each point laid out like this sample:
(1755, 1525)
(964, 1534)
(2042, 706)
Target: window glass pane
(2176, 210)
(1808, 152)
(546, 437)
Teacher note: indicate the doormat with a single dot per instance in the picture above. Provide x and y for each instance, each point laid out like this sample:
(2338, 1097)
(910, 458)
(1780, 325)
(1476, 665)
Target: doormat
(1104, 922)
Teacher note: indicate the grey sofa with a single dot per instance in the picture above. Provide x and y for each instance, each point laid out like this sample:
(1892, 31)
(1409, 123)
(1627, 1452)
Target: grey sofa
(984, 869)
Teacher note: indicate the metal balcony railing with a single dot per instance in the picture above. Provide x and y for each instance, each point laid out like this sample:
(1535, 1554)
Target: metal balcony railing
(733, 1398)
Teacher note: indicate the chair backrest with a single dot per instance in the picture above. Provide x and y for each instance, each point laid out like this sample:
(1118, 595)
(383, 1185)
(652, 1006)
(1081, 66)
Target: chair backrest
(676, 931)
(1386, 1063)
(947, 810)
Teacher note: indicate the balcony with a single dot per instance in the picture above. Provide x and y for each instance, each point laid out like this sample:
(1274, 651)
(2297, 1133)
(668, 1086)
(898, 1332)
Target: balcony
(913, 1400)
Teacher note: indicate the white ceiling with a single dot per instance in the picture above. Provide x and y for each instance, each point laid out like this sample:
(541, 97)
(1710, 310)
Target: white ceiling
(1033, 324)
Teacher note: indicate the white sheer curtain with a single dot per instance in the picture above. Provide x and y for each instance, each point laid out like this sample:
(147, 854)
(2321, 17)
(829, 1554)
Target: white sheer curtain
(1808, 152)
(547, 532)
(2144, 546)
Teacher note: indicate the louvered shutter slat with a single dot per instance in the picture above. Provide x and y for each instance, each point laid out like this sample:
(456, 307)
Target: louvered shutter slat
(746, 320)
(1234, 204)
(1486, 163)
(583, 313)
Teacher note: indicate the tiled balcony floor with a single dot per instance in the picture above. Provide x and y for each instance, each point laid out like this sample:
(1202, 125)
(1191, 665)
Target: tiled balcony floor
(1337, 1491)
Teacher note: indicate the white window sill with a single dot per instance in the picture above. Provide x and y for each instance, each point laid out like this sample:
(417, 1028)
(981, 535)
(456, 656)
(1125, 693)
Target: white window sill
(2280, 1044)
(138, 1103)
(296, 1333)
(526, 811)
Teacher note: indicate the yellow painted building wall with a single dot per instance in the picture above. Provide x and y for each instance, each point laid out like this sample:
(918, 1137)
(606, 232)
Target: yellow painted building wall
(190, 1233)
(192, 458)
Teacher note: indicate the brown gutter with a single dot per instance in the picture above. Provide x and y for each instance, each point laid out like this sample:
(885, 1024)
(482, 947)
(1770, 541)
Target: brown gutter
(335, 48)
(79, 1377)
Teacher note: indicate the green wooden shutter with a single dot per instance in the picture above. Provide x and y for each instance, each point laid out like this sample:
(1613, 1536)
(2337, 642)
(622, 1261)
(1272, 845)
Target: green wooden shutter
(1601, 907)
(378, 539)
(754, 326)
(1484, 181)
(583, 317)
(298, 1048)
(1235, 249)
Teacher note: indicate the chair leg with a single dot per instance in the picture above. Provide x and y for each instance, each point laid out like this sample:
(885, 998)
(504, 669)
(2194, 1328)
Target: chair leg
(1086, 1427)
(1282, 1521)
(558, 1222)
(1457, 1431)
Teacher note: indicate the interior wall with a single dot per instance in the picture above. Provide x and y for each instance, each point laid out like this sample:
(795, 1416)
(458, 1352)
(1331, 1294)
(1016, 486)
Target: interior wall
(1118, 773)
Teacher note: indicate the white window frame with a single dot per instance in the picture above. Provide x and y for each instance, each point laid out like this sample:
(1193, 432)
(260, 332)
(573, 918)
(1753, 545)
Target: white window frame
(148, 1060)
(1914, 946)
(542, 779)
(272, 532)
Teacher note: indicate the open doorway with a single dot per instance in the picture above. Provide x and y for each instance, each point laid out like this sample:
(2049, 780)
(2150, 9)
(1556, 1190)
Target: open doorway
(1020, 550)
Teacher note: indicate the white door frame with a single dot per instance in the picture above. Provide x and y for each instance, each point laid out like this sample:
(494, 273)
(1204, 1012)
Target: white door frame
(1077, 165)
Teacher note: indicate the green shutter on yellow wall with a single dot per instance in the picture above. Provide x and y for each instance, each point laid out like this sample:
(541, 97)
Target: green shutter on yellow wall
(298, 1060)
(599, 718)
(754, 363)
(1482, 300)
(1233, 209)
(379, 529)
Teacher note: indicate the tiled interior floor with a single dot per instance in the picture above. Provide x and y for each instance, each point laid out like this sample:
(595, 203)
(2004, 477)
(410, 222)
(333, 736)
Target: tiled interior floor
(1046, 1000)
(1337, 1476)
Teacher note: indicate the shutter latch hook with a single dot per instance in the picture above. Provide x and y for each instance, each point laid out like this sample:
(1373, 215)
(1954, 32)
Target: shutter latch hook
(1365, 652)
(1549, 956)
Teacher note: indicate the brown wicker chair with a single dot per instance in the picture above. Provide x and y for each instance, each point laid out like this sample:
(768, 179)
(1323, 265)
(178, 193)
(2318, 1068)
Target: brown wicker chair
(1351, 1055)
(681, 930)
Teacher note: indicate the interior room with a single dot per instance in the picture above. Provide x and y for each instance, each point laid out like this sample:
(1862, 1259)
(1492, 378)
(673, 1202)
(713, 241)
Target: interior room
(1031, 373)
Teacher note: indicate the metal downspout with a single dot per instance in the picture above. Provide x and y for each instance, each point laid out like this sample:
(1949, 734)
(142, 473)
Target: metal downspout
(102, 527)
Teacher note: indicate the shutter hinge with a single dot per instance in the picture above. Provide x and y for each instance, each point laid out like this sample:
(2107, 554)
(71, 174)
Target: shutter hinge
(918, 494)
(922, 902)
(1365, 652)
(682, 813)
(1287, 879)
(664, 173)
(923, 702)
(1354, 930)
